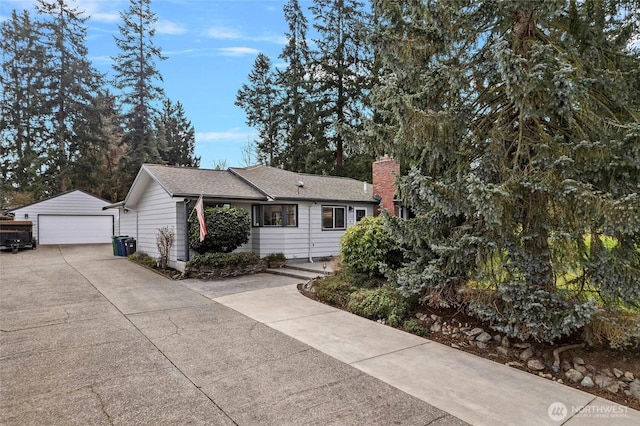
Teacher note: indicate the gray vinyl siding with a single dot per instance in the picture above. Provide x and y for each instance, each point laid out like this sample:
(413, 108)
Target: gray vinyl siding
(297, 242)
(74, 203)
(155, 210)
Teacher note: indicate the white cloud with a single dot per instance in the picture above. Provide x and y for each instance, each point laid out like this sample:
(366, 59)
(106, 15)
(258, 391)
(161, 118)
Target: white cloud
(168, 27)
(225, 136)
(238, 51)
(223, 33)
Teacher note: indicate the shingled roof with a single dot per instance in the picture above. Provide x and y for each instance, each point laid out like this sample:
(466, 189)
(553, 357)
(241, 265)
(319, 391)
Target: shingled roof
(189, 182)
(281, 184)
(259, 183)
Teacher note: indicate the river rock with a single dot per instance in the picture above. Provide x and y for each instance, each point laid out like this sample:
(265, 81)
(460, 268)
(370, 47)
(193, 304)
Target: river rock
(574, 376)
(505, 342)
(484, 337)
(578, 360)
(502, 351)
(535, 364)
(586, 382)
(566, 365)
(634, 389)
(435, 328)
(603, 381)
(617, 373)
(628, 376)
(474, 331)
(526, 354)
(580, 368)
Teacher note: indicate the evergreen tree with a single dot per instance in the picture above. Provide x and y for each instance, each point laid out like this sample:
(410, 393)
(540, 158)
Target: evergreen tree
(178, 136)
(260, 101)
(22, 128)
(296, 110)
(137, 75)
(71, 87)
(520, 123)
(341, 76)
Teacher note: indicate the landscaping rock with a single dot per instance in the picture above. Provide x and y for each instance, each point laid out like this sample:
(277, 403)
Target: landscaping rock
(481, 345)
(514, 364)
(502, 351)
(617, 373)
(474, 332)
(574, 376)
(634, 389)
(526, 354)
(580, 368)
(535, 364)
(566, 366)
(497, 338)
(505, 342)
(607, 372)
(603, 381)
(613, 387)
(628, 376)
(591, 369)
(435, 328)
(522, 345)
(577, 360)
(484, 337)
(586, 382)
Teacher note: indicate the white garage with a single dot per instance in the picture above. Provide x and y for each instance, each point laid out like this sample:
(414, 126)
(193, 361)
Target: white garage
(74, 217)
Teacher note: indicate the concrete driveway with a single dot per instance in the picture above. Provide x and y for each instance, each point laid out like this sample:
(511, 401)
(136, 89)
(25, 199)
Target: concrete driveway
(88, 338)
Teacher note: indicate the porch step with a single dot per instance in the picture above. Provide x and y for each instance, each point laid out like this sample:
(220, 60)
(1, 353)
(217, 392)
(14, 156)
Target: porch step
(296, 272)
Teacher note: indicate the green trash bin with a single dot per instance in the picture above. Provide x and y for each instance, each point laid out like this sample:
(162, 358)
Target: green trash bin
(114, 243)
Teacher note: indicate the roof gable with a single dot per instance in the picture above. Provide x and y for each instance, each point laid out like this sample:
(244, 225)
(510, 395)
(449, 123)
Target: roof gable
(76, 195)
(191, 182)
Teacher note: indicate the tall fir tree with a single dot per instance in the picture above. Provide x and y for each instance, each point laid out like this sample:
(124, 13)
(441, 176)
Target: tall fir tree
(71, 87)
(137, 76)
(296, 109)
(260, 101)
(177, 135)
(341, 76)
(520, 124)
(22, 107)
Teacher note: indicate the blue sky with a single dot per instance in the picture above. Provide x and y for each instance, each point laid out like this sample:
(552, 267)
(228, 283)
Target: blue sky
(210, 45)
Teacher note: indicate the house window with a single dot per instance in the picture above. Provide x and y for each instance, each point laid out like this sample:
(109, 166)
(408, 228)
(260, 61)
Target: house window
(334, 217)
(275, 215)
(360, 213)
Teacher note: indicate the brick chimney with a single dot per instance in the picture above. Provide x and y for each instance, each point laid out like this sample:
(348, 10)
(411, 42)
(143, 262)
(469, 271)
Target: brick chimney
(385, 171)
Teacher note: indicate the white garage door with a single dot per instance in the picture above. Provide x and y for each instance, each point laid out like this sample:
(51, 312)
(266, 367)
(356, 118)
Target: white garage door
(74, 229)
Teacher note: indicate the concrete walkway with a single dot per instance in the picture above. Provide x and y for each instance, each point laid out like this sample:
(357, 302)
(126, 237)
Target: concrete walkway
(474, 389)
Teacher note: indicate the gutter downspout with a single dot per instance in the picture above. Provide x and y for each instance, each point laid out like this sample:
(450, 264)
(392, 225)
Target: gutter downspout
(310, 244)
(186, 229)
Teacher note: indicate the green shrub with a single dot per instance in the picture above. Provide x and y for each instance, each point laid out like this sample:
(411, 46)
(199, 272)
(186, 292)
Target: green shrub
(143, 258)
(367, 246)
(334, 290)
(223, 260)
(414, 327)
(381, 302)
(227, 229)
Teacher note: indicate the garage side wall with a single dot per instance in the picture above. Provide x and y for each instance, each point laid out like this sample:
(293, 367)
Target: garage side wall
(65, 208)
